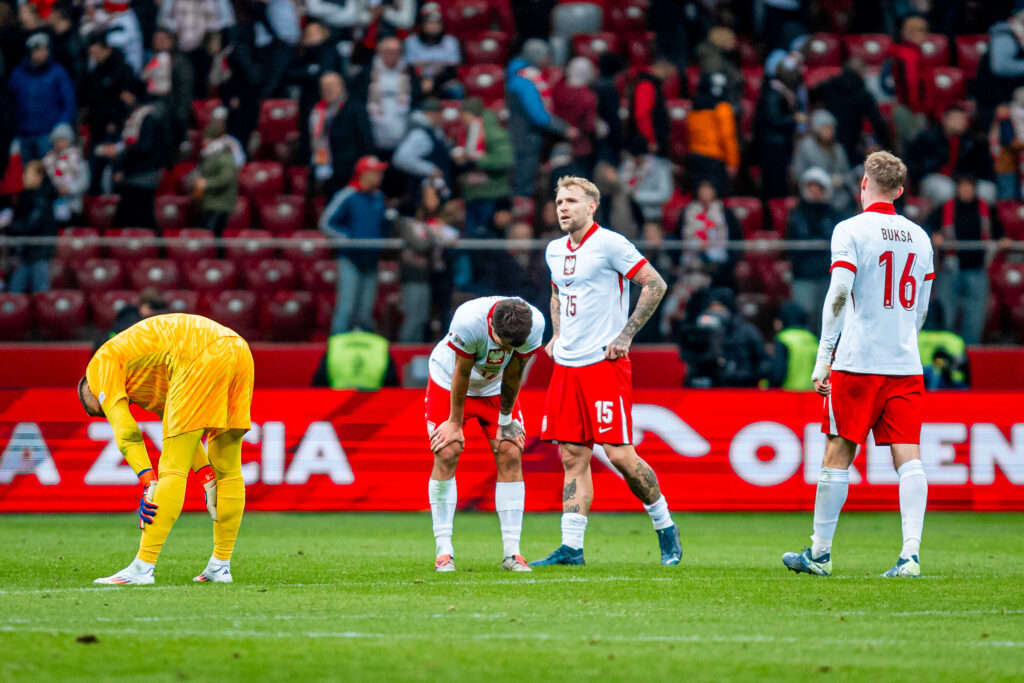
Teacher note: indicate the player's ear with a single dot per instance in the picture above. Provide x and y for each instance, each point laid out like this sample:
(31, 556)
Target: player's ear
(899, 193)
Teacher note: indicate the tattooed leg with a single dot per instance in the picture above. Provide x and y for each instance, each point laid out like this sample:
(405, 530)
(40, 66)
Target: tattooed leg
(578, 490)
(639, 476)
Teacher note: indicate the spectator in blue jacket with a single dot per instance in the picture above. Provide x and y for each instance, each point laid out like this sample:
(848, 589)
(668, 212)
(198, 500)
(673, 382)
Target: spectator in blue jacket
(357, 212)
(43, 95)
(530, 114)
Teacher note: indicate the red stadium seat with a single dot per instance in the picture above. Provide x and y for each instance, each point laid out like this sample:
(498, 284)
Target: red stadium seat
(99, 275)
(949, 85)
(779, 209)
(678, 131)
(627, 17)
(970, 50)
(100, 210)
(241, 217)
(1007, 282)
(106, 305)
(193, 244)
(324, 303)
(269, 276)
(935, 50)
(211, 275)
(61, 276)
(283, 214)
(748, 211)
(202, 112)
(173, 212)
(824, 49)
(1011, 215)
(298, 179)
(15, 317)
(159, 273)
(59, 313)
(278, 121)
(639, 48)
(466, 17)
(311, 246)
(320, 277)
(253, 249)
(692, 79)
(234, 308)
(261, 179)
(870, 47)
(182, 300)
(133, 244)
(75, 245)
(486, 81)
(593, 45)
(819, 74)
(488, 47)
(753, 79)
(317, 205)
(749, 56)
(287, 316)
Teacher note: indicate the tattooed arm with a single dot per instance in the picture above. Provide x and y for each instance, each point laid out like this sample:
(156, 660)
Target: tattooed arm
(556, 312)
(832, 316)
(511, 380)
(652, 289)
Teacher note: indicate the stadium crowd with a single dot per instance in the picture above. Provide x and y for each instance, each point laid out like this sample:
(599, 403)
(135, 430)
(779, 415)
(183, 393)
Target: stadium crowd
(720, 123)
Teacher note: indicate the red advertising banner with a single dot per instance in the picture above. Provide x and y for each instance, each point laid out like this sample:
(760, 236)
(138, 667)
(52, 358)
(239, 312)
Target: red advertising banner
(713, 450)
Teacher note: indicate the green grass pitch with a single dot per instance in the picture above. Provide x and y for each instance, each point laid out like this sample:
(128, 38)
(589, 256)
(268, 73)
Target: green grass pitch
(353, 597)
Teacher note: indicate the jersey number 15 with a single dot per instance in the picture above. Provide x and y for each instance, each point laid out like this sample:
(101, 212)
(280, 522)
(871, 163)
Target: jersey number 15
(907, 289)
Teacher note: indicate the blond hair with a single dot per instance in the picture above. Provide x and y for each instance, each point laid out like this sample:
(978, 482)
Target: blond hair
(589, 188)
(886, 170)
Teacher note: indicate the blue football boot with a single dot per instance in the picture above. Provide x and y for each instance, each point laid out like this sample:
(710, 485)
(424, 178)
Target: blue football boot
(563, 555)
(803, 563)
(905, 569)
(671, 546)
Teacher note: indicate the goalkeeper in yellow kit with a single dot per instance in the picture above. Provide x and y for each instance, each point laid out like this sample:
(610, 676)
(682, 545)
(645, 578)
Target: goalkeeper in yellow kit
(198, 375)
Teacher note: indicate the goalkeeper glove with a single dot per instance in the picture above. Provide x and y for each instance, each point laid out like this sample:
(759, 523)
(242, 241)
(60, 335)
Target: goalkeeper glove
(147, 508)
(209, 481)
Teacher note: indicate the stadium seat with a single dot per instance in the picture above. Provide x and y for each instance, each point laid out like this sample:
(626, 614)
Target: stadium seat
(261, 179)
(949, 85)
(283, 214)
(824, 49)
(234, 308)
(269, 276)
(202, 112)
(132, 244)
(627, 17)
(298, 179)
(182, 301)
(748, 211)
(278, 120)
(241, 217)
(819, 74)
(173, 212)
(61, 275)
(779, 209)
(970, 50)
(692, 79)
(1011, 215)
(593, 45)
(320, 277)
(254, 248)
(106, 305)
(870, 47)
(310, 246)
(466, 17)
(193, 244)
(177, 179)
(1007, 280)
(935, 50)
(15, 317)
(486, 81)
(323, 303)
(753, 79)
(749, 56)
(100, 210)
(678, 131)
(99, 275)
(317, 205)
(75, 245)
(159, 273)
(639, 49)
(487, 47)
(211, 275)
(59, 313)
(287, 316)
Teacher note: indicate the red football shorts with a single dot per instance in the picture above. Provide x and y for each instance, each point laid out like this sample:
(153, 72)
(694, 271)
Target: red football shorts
(891, 407)
(590, 404)
(483, 409)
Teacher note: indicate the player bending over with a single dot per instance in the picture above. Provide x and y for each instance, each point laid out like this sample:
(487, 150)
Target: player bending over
(590, 398)
(198, 376)
(882, 276)
(475, 373)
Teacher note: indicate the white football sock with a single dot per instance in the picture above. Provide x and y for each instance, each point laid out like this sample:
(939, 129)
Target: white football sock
(142, 567)
(913, 500)
(833, 485)
(574, 525)
(660, 516)
(443, 499)
(509, 503)
(216, 563)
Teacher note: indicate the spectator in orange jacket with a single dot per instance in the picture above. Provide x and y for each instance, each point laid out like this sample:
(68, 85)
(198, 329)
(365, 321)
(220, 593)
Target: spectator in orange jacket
(711, 130)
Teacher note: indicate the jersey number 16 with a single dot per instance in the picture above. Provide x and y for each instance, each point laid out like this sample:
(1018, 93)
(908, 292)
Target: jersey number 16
(907, 290)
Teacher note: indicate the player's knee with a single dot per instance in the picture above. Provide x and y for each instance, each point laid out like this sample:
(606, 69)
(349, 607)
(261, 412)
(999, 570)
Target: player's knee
(572, 461)
(448, 457)
(509, 457)
(620, 457)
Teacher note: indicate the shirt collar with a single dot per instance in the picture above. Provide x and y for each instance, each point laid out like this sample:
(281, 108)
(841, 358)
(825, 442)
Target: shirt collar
(590, 231)
(882, 207)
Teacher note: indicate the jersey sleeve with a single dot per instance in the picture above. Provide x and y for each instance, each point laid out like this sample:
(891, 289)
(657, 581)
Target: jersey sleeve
(462, 337)
(623, 256)
(929, 270)
(844, 250)
(106, 379)
(533, 342)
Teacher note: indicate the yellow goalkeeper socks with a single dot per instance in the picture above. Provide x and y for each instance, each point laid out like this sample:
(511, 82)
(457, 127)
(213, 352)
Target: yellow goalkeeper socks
(170, 492)
(226, 458)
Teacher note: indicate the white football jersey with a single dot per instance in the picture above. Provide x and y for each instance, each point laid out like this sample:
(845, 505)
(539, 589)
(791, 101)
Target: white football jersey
(469, 336)
(891, 258)
(592, 280)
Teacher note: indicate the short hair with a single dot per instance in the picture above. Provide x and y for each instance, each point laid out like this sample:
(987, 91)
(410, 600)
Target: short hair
(886, 170)
(512, 321)
(589, 188)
